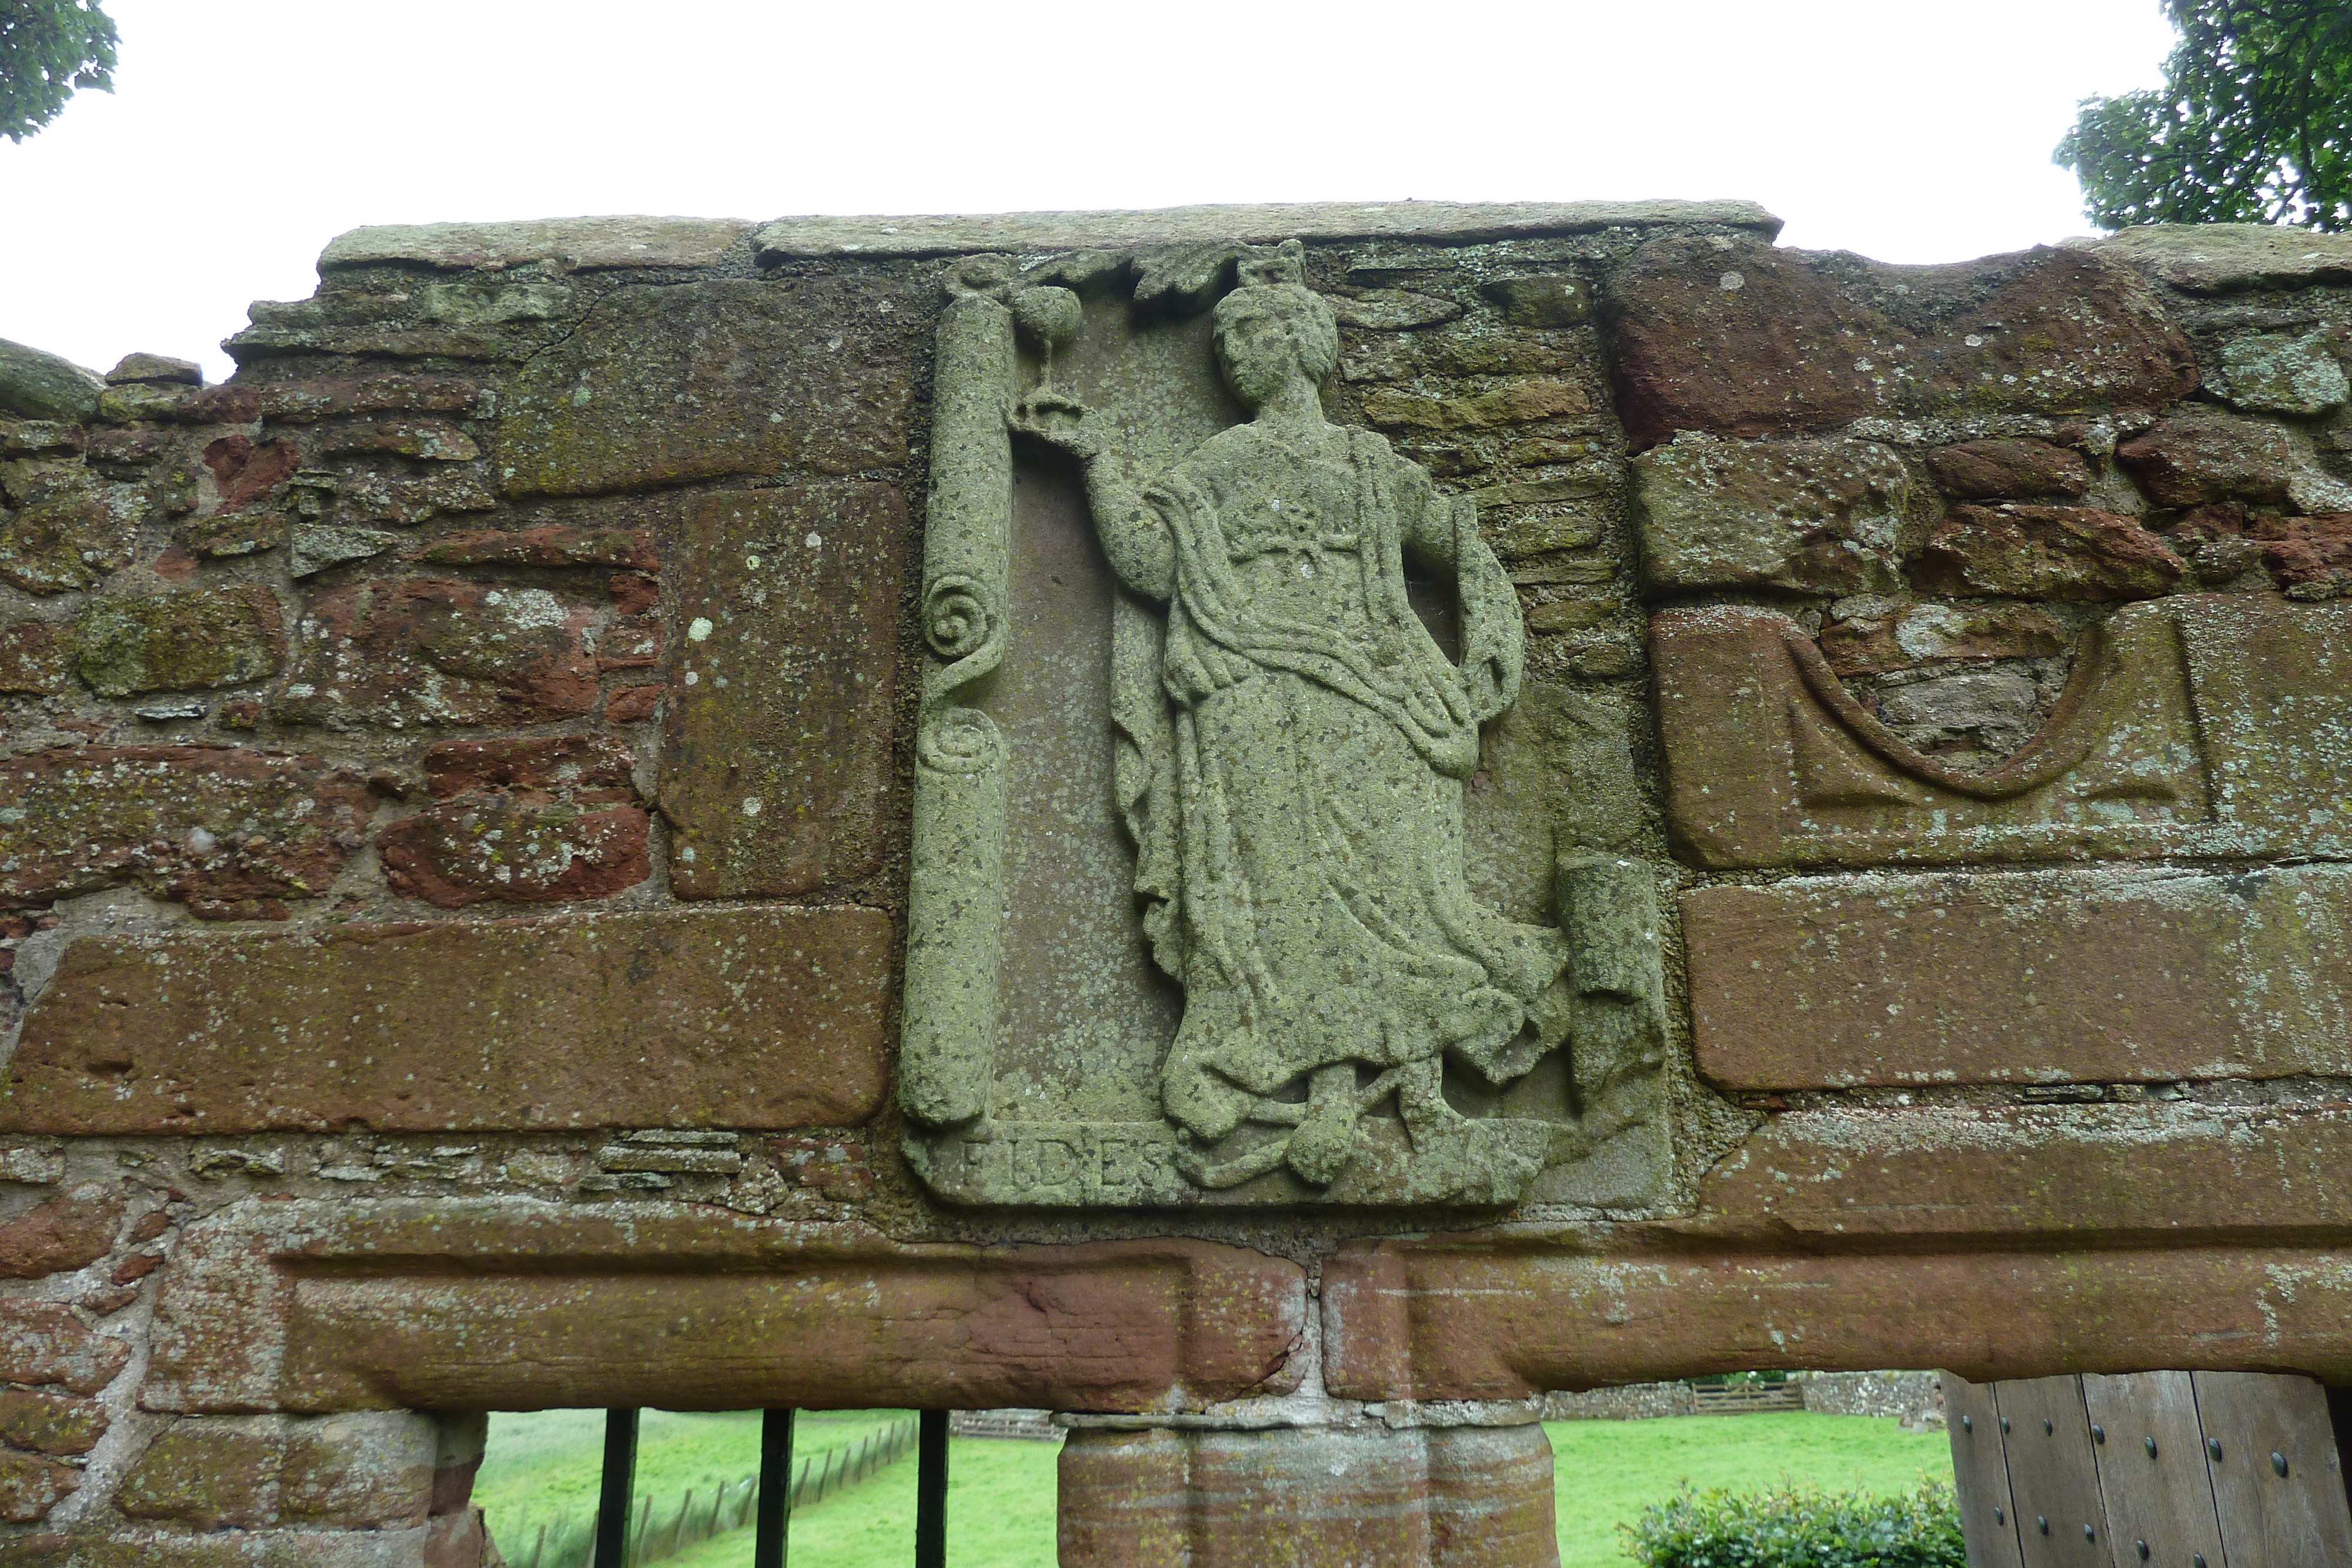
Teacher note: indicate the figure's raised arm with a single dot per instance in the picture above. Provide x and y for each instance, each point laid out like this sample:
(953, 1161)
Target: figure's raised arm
(1133, 534)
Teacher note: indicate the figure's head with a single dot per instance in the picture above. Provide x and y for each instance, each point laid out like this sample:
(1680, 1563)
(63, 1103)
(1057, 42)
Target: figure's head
(1268, 332)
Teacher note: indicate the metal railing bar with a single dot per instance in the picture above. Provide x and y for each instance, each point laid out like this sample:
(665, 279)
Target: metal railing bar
(931, 1492)
(775, 1505)
(616, 1488)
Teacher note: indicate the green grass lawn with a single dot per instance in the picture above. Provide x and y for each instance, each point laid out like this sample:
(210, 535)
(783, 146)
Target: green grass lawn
(1001, 1493)
(542, 1465)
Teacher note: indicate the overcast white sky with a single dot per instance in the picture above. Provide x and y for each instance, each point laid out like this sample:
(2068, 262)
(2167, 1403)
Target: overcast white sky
(243, 134)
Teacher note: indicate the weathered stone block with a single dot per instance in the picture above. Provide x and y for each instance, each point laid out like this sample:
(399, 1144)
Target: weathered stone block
(247, 471)
(2118, 1173)
(2306, 553)
(2280, 373)
(367, 1470)
(1494, 1319)
(70, 528)
(549, 544)
(475, 851)
(2050, 976)
(2046, 552)
(436, 652)
(50, 1423)
(1308, 1497)
(66, 1231)
(42, 1343)
(35, 658)
(782, 610)
(576, 245)
(214, 1472)
(160, 369)
(305, 402)
(1543, 299)
(2196, 453)
(40, 385)
(2009, 470)
(191, 640)
(700, 380)
(1809, 516)
(30, 1486)
(320, 1306)
(1520, 403)
(431, 440)
(591, 768)
(735, 1017)
(209, 825)
(2222, 258)
(2196, 724)
(1739, 339)
(1903, 636)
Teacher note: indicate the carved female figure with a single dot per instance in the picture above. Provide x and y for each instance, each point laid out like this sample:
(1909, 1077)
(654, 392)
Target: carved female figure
(1295, 747)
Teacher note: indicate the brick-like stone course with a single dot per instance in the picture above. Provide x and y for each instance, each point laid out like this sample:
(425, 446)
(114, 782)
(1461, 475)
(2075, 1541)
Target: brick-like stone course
(740, 1017)
(2056, 977)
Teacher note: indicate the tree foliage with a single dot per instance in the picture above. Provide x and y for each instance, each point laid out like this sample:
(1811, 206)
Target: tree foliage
(2253, 123)
(49, 48)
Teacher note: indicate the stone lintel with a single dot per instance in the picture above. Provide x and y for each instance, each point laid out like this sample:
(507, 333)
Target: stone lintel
(515, 1304)
(577, 245)
(746, 1018)
(1455, 222)
(1498, 1319)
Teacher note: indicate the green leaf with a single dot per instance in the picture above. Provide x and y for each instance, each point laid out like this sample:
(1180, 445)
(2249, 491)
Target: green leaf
(2253, 123)
(49, 49)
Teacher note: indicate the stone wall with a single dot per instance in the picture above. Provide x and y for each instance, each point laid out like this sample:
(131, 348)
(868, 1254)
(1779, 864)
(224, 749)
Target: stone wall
(454, 847)
(1638, 1401)
(1911, 1397)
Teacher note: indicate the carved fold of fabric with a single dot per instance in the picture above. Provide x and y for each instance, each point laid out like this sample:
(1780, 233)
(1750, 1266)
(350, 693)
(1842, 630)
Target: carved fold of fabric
(1317, 816)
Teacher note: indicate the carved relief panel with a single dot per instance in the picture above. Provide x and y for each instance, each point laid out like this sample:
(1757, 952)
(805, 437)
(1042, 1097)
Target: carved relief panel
(1192, 918)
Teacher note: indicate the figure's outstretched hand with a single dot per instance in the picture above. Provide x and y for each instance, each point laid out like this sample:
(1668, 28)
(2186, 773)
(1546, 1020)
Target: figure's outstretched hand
(1061, 422)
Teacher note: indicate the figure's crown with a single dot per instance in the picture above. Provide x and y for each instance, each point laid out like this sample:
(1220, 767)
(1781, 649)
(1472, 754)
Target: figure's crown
(1283, 263)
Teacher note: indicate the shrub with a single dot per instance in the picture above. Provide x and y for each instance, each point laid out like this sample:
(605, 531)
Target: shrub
(1717, 1529)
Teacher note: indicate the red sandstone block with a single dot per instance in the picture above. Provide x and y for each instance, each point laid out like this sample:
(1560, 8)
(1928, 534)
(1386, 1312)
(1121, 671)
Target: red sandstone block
(515, 1306)
(1746, 339)
(1317, 1498)
(43, 1342)
(493, 849)
(212, 825)
(2130, 1173)
(30, 1486)
(551, 544)
(246, 471)
(776, 733)
(2103, 977)
(737, 1018)
(1497, 1318)
(50, 1423)
(426, 651)
(594, 768)
(66, 1231)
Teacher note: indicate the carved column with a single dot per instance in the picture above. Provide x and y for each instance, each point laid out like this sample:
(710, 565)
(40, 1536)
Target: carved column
(1355, 1490)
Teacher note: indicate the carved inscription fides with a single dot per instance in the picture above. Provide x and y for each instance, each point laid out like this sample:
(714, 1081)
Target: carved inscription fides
(1289, 745)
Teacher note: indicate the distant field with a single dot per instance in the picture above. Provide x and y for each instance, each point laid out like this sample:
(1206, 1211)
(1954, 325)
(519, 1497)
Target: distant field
(543, 1466)
(1001, 1493)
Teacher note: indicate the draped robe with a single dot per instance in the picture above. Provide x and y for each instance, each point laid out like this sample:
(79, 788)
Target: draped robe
(1293, 752)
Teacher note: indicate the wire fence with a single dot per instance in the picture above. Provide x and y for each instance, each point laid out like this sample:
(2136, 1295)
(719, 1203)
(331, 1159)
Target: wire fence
(658, 1534)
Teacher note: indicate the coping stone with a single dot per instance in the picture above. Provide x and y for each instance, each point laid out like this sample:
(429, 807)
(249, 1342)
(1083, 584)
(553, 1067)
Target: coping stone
(1458, 222)
(576, 245)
